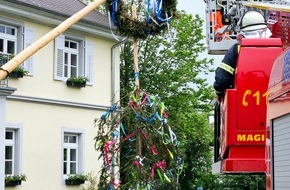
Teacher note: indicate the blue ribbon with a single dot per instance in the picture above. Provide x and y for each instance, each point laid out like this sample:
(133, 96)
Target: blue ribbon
(148, 16)
(136, 74)
(158, 12)
(110, 187)
(104, 115)
(113, 11)
(123, 131)
(115, 134)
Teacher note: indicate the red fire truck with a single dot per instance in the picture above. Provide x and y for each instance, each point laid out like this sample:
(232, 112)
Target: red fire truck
(252, 123)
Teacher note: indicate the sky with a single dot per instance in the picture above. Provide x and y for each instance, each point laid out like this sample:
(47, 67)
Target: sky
(198, 7)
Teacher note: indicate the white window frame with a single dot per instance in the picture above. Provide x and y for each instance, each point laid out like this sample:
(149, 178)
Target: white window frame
(79, 133)
(70, 146)
(85, 60)
(8, 37)
(10, 143)
(23, 38)
(68, 63)
(17, 144)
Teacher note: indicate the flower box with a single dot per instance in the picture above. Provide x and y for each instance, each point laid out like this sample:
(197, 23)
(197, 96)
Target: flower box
(14, 180)
(18, 72)
(13, 183)
(76, 179)
(77, 81)
(74, 182)
(15, 75)
(75, 84)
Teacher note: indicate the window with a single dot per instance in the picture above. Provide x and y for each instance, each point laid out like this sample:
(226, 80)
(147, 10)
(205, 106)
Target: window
(13, 138)
(9, 152)
(72, 158)
(73, 57)
(8, 39)
(70, 154)
(14, 39)
(8, 43)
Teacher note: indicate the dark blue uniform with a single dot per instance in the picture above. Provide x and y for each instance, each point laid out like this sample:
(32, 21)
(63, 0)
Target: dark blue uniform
(225, 73)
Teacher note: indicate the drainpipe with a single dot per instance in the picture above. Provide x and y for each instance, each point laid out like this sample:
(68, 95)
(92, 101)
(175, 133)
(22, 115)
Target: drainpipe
(113, 70)
(113, 90)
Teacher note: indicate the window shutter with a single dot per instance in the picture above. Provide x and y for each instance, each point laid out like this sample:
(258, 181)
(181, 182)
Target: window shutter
(89, 62)
(59, 58)
(28, 40)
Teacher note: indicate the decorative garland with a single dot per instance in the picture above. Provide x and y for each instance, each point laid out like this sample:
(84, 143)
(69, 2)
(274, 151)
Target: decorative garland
(152, 18)
(157, 163)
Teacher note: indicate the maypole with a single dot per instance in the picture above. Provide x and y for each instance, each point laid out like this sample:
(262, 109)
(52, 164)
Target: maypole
(33, 48)
(136, 73)
(139, 132)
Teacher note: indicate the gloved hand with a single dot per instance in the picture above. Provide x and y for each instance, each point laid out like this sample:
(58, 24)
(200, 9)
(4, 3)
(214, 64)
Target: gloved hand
(220, 96)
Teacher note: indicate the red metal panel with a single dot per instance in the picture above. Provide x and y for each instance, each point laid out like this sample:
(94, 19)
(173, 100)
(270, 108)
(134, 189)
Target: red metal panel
(229, 115)
(244, 108)
(254, 67)
(261, 42)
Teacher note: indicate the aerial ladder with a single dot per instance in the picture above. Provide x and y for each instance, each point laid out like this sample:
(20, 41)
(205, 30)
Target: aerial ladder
(222, 18)
(252, 123)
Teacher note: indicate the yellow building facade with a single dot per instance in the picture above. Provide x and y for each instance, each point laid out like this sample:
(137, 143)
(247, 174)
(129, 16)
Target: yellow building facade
(49, 126)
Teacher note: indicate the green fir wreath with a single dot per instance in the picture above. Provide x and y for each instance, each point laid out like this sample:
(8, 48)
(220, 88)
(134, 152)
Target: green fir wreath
(147, 23)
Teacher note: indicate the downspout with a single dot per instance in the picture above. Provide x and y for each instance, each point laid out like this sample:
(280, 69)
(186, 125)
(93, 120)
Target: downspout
(113, 70)
(113, 89)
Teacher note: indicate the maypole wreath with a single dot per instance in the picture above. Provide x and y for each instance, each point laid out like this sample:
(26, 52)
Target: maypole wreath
(153, 16)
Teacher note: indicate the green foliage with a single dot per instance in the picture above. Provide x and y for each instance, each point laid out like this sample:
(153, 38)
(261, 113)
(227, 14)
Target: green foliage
(148, 157)
(170, 68)
(243, 182)
(20, 71)
(77, 177)
(140, 27)
(21, 177)
(92, 182)
(79, 79)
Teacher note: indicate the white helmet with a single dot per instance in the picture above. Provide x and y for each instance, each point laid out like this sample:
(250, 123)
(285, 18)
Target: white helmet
(252, 20)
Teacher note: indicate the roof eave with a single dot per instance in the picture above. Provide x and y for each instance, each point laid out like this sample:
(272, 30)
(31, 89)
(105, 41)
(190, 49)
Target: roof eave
(52, 19)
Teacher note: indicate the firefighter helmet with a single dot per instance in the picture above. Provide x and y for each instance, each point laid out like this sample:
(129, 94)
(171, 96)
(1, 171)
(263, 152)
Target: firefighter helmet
(252, 20)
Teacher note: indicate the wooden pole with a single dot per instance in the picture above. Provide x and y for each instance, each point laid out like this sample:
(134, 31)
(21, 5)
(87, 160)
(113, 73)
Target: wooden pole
(33, 48)
(136, 68)
(137, 82)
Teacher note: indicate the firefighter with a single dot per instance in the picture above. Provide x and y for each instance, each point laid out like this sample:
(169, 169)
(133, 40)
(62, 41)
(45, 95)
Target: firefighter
(251, 25)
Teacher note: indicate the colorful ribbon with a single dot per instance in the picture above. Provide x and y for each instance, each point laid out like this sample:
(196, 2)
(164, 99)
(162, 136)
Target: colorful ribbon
(107, 147)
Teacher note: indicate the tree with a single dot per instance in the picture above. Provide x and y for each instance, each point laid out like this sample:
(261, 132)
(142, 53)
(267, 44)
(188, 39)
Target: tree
(243, 182)
(170, 68)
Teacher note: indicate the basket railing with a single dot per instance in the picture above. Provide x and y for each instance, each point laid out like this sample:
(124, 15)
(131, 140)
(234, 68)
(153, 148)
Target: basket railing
(4, 58)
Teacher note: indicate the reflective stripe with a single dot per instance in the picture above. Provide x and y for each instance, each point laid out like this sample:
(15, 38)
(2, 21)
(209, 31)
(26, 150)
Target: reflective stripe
(239, 47)
(227, 68)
